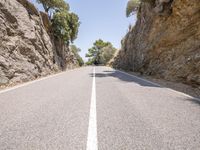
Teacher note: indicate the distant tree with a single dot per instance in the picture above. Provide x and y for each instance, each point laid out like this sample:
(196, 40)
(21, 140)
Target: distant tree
(76, 51)
(94, 52)
(100, 53)
(53, 5)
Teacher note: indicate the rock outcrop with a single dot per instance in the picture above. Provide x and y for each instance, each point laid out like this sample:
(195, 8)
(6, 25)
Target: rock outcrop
(27, 49)
(165, 42)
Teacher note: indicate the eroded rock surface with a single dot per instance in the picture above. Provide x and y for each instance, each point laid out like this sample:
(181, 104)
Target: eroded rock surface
(164, 43)
(26, 49)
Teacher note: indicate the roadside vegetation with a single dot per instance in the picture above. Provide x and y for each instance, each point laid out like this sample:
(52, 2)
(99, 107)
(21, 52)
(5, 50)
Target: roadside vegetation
(100, 53)
(65, 24)
(76, 51)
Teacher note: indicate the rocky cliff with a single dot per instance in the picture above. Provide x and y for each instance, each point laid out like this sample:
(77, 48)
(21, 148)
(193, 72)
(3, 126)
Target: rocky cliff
(165, 42)
(27, 49)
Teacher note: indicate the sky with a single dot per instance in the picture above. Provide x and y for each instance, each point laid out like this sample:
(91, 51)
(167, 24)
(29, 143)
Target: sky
(100, 19)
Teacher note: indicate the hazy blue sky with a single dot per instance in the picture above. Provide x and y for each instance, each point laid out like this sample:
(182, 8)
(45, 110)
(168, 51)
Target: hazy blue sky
(103, 19)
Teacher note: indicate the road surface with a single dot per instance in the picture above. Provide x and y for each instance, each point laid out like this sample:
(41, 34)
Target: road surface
(101, 108)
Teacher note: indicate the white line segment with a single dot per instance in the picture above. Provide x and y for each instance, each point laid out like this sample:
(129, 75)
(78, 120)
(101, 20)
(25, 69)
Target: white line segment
(92, 143)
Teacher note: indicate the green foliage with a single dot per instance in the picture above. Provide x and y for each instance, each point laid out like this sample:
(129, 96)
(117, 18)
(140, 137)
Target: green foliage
(65, 25)
(60, 25)
(97, 46)
(94, 52)
(54, 5)
(107, 53)
(100, 53)
(132, 6)
(90, 62)
(74, 24)
(76, 51)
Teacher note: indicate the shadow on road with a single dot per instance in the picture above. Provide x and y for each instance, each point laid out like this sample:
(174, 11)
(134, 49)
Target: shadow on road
(124, 77)
(127, 78)
(193, 100)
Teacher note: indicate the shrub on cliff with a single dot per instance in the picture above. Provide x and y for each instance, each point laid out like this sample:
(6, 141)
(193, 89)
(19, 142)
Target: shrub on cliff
(65, 25)
(132, 6)
(53, 5)
(76, 51)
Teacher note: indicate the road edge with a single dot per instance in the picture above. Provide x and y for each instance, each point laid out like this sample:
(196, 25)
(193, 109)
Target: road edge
(7, 89)
(181, 93)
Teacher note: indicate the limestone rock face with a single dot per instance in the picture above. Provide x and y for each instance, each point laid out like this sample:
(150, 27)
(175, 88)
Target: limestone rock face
(26, 49)
(164, 43)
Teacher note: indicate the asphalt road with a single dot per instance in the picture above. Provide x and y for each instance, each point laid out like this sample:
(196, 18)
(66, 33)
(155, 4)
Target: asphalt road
(97, 108)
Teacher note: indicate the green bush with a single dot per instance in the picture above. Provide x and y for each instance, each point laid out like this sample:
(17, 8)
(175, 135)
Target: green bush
(76, 51)
(65, 25)
(100, 53)
(53, 5)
